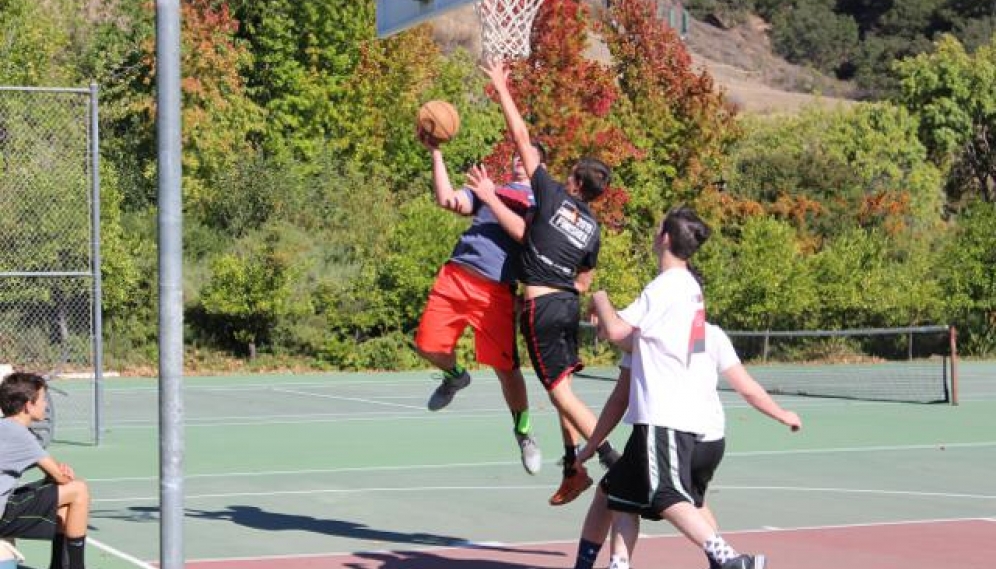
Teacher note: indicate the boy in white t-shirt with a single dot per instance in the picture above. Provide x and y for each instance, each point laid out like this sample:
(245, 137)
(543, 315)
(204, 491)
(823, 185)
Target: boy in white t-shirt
(669, 397)
(708, 451)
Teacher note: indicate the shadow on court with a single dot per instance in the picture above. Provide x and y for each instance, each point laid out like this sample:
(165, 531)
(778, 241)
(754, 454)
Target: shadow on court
(257, 518)
(479, 559)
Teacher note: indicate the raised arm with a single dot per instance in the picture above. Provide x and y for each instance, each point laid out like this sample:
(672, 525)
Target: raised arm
(496, 70)
(446, 198)
(752, 392)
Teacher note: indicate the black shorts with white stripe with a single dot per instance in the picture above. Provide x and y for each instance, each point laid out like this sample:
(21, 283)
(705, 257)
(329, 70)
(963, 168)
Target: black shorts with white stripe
(654, 473)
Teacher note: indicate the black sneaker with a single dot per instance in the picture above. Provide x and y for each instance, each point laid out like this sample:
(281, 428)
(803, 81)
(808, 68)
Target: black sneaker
(609, 458)
(443, 394)
(746, 562)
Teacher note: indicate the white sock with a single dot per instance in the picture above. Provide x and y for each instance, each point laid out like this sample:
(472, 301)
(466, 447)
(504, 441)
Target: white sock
(617, 562)
(720, 551)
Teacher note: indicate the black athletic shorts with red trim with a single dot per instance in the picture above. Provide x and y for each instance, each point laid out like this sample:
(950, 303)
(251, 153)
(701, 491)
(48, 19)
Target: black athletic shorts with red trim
(549, 326)
(654, 473)
(31, 511)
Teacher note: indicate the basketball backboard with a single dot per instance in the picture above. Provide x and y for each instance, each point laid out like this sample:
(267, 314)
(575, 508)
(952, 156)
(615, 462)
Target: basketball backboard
(396, 15)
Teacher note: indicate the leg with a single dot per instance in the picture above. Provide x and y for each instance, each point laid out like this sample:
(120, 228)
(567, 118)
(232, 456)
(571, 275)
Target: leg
(513, 388)
(74, 508)
(625, 531)
(596, 526)
(576, 417)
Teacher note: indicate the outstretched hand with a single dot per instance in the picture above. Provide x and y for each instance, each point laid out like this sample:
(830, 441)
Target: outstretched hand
(480, 183)
(497, 71)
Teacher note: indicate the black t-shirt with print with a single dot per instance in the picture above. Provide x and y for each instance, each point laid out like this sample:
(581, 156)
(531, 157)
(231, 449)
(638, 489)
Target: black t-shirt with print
(563, 237)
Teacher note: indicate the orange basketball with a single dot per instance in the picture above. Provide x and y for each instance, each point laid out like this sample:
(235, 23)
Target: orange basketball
(439, 120)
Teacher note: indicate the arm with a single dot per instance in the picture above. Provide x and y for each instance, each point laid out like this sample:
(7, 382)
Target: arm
(446, 198)
(583, 280)
(59, 472)
(753, 393)
(612, 413)
(484, 188)
(498, 73)
(614, 328)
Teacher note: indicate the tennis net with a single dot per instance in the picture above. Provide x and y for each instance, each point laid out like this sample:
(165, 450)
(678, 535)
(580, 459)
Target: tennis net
(912, 364)
(909, 364)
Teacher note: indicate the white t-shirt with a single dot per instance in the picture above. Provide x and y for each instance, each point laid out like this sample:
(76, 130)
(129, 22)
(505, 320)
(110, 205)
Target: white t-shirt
(720, 356)
(669, 317)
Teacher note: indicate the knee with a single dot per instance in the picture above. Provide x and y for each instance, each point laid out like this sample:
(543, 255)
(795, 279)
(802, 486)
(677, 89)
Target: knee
(79, 492)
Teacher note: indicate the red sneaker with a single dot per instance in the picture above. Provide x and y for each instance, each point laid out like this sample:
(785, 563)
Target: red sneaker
(571, 487)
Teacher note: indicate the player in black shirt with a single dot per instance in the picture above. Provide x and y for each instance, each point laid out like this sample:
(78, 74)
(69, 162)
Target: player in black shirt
(558, 261)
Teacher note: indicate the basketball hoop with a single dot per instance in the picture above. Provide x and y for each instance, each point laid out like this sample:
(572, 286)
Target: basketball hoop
(505, 27)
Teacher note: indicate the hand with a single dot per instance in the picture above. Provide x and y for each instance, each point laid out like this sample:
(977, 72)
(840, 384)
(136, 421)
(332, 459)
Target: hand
(792, 420)
(496, 70)
(67, 471)
(426, 140)
(482, 185)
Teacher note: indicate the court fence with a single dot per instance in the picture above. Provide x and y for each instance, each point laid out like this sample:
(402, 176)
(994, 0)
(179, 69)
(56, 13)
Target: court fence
(50, 285)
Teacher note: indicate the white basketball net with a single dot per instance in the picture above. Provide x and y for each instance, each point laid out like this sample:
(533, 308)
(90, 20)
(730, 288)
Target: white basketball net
(505, 27)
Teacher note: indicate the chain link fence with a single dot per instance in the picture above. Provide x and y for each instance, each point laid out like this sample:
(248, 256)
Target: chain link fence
(49, 248)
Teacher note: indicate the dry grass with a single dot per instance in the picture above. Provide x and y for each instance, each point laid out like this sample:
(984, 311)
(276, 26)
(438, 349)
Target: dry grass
(740, 60)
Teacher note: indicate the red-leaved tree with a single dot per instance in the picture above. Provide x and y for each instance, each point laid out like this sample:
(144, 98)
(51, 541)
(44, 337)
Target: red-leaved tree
(568, 100)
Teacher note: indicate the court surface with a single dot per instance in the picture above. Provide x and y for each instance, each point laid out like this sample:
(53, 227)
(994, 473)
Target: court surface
(346, 470)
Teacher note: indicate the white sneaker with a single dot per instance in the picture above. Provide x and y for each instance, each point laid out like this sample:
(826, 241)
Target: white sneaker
(532, 458)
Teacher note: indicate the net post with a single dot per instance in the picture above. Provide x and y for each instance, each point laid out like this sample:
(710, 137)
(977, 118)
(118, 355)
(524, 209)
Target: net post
(953, 338)
(767, 339)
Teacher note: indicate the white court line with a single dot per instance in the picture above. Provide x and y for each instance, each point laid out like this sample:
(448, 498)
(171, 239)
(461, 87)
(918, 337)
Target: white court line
(416, 489)
(339, 398)
(572, 541)
(407, 467)
(119, 554)
(297, 419)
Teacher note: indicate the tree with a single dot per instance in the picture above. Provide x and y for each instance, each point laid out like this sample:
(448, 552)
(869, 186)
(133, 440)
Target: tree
(568, 99)
(965, 269)
(766, 283)
(676, 119)
(253, 290)
(954, 95)
(813, 33)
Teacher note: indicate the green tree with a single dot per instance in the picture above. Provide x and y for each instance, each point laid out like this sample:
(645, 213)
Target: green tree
(768, 281)
(252, 291)
(811, 32)
(675, 118)
(965, 269)
(305, 55)
(954, 95)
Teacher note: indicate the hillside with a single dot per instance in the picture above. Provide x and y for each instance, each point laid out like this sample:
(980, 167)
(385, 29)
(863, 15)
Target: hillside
(739, 59)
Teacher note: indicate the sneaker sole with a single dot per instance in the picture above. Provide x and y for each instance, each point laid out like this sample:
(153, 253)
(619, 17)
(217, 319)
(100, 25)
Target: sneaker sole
(760, 562)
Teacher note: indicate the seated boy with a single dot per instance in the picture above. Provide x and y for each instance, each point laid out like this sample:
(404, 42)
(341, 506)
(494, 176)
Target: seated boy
(55, 508)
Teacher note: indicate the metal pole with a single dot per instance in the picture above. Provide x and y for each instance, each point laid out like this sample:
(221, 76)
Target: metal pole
(98, 306)
(168, 122)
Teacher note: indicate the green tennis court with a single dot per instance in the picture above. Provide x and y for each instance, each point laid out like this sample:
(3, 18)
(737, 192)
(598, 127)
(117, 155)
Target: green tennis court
(350, 470)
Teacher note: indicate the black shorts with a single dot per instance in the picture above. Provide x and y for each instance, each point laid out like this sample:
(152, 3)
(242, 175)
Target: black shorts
(549, 326)
(31, 511)
(705, 461)
(654, 473)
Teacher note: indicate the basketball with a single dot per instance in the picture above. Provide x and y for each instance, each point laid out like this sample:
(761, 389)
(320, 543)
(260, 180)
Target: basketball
(439, 121)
